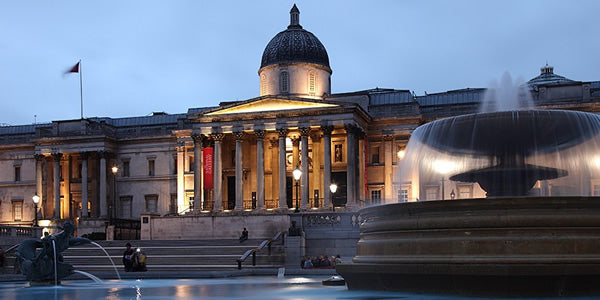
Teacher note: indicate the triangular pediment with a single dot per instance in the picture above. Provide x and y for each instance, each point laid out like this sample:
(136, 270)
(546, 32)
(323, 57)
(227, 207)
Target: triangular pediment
(270, 105)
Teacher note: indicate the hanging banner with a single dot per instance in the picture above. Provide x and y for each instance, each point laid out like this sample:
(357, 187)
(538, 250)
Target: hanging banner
(208, 167)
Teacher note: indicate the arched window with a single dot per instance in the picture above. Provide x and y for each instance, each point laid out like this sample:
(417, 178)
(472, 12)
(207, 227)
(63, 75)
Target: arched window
(284, 83)
(312, 85)
(263, 85)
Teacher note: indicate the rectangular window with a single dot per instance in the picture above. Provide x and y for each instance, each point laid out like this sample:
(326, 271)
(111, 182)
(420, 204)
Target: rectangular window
(175, 164)
(402, 195)
(126, 207)
(432, 193)
(376, 197)
(125, 171)
(375, 155)
(191, 160)
(151, 167)
(151, 203)
(173, 204)
(17, 208)
(17, 173)
(311, 83)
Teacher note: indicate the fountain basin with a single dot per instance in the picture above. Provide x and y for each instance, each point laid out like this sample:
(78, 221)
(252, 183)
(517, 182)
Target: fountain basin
(517, 246)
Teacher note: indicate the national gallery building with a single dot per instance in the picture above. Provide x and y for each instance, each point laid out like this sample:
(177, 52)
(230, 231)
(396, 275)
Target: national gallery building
(241, 155)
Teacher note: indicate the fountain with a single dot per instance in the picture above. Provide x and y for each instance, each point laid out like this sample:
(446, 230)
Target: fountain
(533, 231)
(41, 261)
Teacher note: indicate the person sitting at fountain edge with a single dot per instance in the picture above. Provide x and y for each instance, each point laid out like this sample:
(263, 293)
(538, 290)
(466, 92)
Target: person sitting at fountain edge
(128, 258)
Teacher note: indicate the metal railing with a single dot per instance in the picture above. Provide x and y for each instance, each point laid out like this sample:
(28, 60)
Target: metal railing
(263, 244)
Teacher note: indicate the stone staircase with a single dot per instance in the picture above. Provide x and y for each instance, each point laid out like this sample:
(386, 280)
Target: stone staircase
(171, 255)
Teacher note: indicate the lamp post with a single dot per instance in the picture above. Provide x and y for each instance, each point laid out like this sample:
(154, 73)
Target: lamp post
(452, 194)
(36, 200)
(115, 170)
(333, 188)
(297, 173)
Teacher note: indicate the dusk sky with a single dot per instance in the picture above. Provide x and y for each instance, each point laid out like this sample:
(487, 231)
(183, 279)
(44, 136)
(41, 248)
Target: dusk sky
(140, 57)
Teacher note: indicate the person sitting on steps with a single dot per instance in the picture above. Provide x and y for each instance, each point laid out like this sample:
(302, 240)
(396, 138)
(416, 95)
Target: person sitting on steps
(244, 235)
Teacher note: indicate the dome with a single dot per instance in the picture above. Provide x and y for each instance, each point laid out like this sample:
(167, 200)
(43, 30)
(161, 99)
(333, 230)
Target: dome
(547, 77)
(295, 45)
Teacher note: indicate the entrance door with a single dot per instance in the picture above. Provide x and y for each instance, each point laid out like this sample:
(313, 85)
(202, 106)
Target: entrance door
(230, 192)
(339, 198)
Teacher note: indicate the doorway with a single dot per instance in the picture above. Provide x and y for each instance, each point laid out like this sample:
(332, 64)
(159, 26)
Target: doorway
(230, 192)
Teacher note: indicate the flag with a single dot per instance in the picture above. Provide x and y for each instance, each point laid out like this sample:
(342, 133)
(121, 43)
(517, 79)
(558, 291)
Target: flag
(74, 69)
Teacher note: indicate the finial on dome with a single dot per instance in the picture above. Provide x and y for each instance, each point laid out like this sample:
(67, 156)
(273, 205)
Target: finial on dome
(547, 69)
(294, 17)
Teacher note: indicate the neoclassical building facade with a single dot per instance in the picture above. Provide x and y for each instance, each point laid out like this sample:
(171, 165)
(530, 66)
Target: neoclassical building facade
(240, 156)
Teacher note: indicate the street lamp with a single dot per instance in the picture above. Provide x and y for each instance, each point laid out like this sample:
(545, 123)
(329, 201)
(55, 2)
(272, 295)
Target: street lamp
(297, 173)
(115, 170)
(36, 200)
(333, 188)
(452, 194)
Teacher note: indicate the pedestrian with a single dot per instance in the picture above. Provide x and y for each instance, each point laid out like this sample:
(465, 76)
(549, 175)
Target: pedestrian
(244, 235)
(128, 258)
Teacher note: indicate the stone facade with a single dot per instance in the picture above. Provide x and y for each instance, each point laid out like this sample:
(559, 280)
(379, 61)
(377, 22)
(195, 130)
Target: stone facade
(246, 149)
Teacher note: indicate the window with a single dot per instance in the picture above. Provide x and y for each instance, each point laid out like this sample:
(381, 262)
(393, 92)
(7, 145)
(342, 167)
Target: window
(339, 153)
(284, 82)
(402, 195)
(173, 204)
(375, 155)
(151, 167)
(79, 168)
(465, 191)
(432, 193)
(311, 83)
(376, 197)
(125, 171)
(17, 208)
(175, 164)
(151, 203)
(17, 173)
(126, 207)
(191, 160)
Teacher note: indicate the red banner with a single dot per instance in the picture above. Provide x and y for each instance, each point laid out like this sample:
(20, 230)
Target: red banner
(208, 167)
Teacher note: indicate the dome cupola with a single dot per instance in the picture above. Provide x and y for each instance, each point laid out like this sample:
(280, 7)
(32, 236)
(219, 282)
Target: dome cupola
(295, 63)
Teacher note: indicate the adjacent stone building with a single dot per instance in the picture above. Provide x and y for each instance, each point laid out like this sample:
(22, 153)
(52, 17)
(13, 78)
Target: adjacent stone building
(240, 155)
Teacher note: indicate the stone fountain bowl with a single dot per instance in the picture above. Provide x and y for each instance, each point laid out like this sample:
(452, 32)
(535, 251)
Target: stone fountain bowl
(513, 247)
(509, 132)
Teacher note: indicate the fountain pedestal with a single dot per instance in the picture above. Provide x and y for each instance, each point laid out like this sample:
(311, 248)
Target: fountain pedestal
(488, 247)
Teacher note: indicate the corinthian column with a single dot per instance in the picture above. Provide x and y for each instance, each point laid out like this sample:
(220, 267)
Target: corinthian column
(103, 208)
(351, 165)
(327, 130)
(304, 162)
(84, 184)
(217, 169)
(198, 194)
(39, 160)
(57, 157)
(239, 183)
(282, 170)
(260, 168)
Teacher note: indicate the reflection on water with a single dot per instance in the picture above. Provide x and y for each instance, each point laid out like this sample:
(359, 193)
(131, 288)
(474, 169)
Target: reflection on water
(236, 288)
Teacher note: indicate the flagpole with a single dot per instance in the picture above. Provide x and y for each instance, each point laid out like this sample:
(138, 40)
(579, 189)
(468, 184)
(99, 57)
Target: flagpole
(81, 88)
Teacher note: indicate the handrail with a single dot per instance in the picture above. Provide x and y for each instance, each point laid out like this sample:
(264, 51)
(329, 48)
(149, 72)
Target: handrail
(263, 244)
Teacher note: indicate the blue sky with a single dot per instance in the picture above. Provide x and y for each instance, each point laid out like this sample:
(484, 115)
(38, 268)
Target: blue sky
(145, 56)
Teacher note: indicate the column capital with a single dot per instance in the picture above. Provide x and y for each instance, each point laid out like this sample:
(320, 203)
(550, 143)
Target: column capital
(282, 132)
(304, 131)
(260, 134)
(388, 137)
(39, 157)
(57, 156)
(274, 142)
(84, 155)
(327, 129)
(295, 141)
(198, 138)
(217, 136)
(103, 154)
(239, 135)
